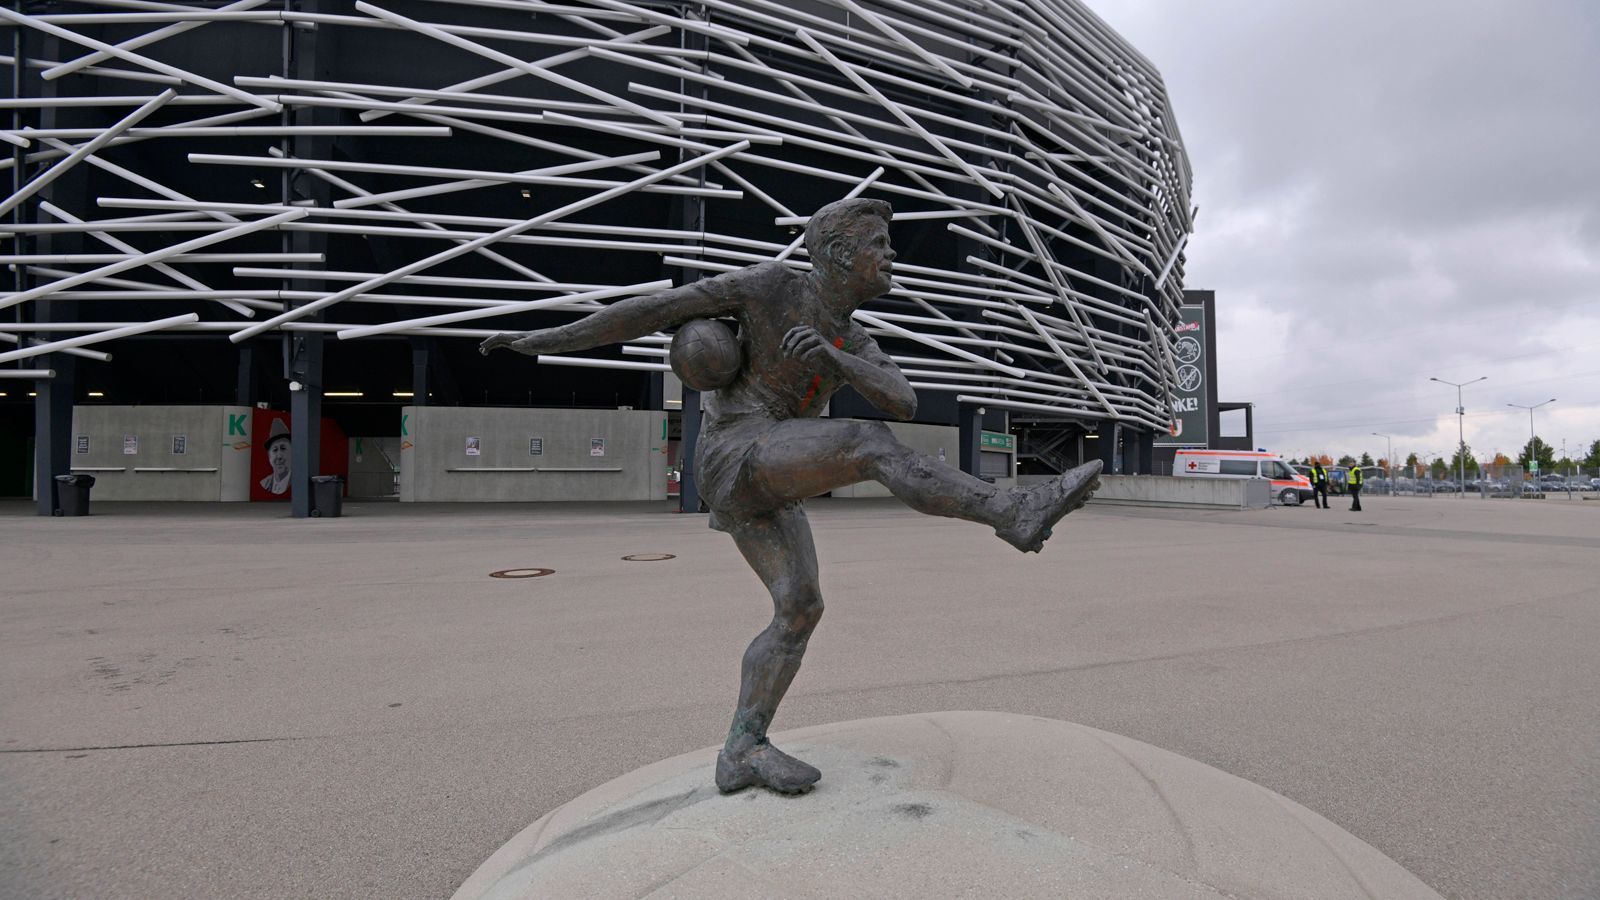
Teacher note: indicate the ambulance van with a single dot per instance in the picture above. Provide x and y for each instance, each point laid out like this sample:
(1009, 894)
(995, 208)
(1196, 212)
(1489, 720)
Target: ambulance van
(1288, 486)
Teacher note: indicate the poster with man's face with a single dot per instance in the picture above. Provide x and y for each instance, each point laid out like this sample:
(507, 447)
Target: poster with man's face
(270, 458)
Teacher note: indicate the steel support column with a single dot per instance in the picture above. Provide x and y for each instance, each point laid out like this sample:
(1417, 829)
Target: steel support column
(244, 393)
(305, 56)
(52, 407)
(688, 489)
(1130, 452)
(691, 216)
(1108, 447)
(970, 422)
(419, 377)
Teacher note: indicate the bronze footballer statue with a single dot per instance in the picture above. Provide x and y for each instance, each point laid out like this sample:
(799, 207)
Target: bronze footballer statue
(763, 449)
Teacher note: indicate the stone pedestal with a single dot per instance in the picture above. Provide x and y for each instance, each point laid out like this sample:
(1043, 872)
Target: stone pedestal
(954, 804)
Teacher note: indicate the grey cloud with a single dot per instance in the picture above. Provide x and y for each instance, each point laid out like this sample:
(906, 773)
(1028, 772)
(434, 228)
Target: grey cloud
(1388, 192)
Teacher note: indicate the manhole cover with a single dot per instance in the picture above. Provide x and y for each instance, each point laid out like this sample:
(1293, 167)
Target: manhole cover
(521, 573)
(649, 557)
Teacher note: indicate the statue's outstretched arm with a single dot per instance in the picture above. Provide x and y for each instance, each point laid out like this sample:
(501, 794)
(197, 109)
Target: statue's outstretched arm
(632, 318)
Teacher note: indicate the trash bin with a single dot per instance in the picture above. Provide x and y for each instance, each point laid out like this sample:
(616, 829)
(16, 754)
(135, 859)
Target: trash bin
(72, 494)
(327, 495)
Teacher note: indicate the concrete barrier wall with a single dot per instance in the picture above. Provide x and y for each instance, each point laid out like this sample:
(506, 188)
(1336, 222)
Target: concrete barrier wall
(214, 464)
(928, 440)
(435, 465)
(1164, 490)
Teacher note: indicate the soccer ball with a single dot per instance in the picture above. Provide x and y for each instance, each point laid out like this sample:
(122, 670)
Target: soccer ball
(705, 355)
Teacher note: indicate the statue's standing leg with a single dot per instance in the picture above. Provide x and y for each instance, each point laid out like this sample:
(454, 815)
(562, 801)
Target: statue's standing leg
(778, 547)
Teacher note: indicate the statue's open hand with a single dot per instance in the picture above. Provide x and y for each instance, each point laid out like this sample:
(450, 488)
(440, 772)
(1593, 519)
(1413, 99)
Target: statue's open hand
(496, 342)
(804, 342)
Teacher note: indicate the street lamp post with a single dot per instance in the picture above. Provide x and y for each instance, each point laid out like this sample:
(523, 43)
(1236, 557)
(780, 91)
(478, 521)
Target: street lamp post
(1533, 442)
(1461, 432)
(1388, 473)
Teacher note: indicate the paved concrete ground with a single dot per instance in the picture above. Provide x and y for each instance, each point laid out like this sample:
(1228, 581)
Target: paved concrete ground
(204, 701)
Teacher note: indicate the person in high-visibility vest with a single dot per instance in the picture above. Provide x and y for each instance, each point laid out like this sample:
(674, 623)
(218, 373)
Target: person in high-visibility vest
(1319, 485)
(1356, 478)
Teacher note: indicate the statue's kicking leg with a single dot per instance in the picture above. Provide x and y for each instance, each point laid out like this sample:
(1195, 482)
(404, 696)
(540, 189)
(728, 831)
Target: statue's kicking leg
(802, 458)
(778, 547)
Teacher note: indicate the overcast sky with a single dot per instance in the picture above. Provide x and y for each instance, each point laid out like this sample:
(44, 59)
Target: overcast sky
(1390, 192)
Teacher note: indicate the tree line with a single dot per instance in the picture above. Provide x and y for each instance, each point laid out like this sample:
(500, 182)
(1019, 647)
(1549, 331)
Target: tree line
(1535, 449)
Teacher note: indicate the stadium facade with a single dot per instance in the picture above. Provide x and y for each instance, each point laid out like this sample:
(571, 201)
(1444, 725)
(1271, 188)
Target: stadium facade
(321, 207)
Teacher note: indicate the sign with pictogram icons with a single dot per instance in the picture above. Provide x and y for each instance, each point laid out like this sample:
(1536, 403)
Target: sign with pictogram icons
(1191, 413)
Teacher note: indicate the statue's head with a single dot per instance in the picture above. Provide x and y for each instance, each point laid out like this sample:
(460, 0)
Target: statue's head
(838, 232)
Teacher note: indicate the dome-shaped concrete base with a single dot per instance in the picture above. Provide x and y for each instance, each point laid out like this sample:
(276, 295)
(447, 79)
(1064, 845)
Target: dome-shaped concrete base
(973, 804)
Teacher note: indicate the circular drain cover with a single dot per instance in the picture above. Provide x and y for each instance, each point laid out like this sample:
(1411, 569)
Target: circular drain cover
(649, 557)
(521, 573)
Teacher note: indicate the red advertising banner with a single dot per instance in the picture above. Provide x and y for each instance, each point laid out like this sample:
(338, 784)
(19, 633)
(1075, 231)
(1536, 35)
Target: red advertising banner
(269, 458)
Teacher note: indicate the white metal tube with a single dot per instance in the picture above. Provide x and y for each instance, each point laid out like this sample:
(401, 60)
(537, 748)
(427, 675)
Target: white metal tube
(277, 83)
(583, 362)
(916, 50)
(28, 374)
(438, 280)
(485, 252)
(1046, 259)
(677, 138)
(419, 265)
(505, 309)
(108, 225)
(1094, 225)
(926, 340)
(8, 338)
(754, 191)
(526, 178)
(143, 40)
(73, 158)
(1171, 260)
(511, 61)
(135, 178)
(1029, 407)
(251, 113)
(97, 337)
(512, 72)
(199, 16)
(155, 255)
(163, 268)
(252, 131)
(136, 59)
(109, 100)
(143, 259)
(546, 175)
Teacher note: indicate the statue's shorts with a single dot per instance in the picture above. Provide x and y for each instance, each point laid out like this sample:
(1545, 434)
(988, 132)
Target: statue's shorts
(724, 471)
